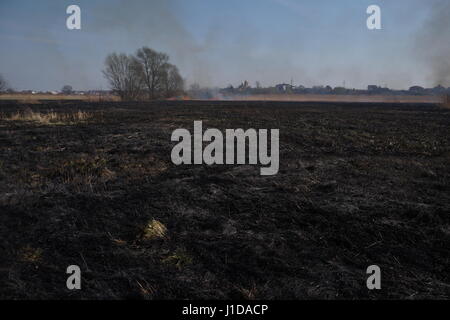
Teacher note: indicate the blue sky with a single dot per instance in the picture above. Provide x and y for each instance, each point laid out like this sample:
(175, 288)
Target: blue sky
(217, 42)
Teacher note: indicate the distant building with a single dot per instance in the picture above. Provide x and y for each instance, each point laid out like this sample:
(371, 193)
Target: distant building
(244, 86)
(439, 89)
(417, 89)
(284, 87)
(377, 89)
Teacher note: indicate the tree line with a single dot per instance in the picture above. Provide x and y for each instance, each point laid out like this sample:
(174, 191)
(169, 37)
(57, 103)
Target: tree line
(3, 84)
(146, 75)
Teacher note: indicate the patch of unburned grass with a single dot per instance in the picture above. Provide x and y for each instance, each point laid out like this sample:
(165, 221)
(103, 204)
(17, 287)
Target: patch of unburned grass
(37, 98)
(155, 230)
(85, 171)
(30, 254)
(180, 258)
(48, 117)
(149, 167)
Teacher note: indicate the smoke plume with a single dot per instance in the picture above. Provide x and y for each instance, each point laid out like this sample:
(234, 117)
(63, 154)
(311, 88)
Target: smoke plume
(433, 45)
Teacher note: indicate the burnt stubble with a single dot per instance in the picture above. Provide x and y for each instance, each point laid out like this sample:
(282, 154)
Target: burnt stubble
(359, 184)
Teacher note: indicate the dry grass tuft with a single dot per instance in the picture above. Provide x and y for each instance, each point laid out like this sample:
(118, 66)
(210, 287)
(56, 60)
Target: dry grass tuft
(32, 255)
(179, 258)
(48, 117)
(85, 171)
(155, 230)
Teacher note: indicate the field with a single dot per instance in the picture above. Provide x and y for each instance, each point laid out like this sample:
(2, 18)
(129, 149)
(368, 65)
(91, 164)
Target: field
(92, 184)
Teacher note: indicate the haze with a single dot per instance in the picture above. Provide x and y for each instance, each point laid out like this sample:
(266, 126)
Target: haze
(217, 43)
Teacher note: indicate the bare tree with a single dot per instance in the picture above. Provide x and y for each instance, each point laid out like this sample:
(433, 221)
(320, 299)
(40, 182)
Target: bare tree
(171, 80)
(123, 73)
(3, 84)
(148, 72)
(153, 67)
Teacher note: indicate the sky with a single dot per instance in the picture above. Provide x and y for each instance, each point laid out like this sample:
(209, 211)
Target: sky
(222, 42)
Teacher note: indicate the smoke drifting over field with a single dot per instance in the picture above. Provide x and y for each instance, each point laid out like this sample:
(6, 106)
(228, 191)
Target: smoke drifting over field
(433, 43)
(215, 56)
(315, 55)
(156, 24)
(227, 51)
(217, 43)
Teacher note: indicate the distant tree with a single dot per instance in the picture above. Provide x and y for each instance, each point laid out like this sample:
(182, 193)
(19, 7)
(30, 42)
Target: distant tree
(153, 66)
(171, 80)
(194, 90)
(125, 75)
(3, 84)
(67, 90)
(148, 74)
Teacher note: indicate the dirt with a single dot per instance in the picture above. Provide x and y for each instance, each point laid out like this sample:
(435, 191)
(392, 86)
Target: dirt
(359, 185)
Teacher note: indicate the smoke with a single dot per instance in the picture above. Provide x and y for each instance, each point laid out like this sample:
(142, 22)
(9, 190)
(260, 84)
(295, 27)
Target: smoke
(433, 45)
(156, 24)
(215, 56)
(217, 43)
(218, 55)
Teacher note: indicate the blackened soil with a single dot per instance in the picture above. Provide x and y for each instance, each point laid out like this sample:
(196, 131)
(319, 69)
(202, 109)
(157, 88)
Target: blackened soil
(359, 184)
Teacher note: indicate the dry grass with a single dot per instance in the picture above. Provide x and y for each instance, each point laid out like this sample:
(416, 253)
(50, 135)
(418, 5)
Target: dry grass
(446, 102)
(35, 98)
(30, 254)
(180, 258)
(342, 98)
(82, 172)
(48, 117)
(155, 230)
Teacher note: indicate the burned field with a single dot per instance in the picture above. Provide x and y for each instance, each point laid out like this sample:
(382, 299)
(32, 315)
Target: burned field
(92, 184)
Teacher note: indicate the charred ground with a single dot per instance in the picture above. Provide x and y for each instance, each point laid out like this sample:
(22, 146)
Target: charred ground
(359, 184)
